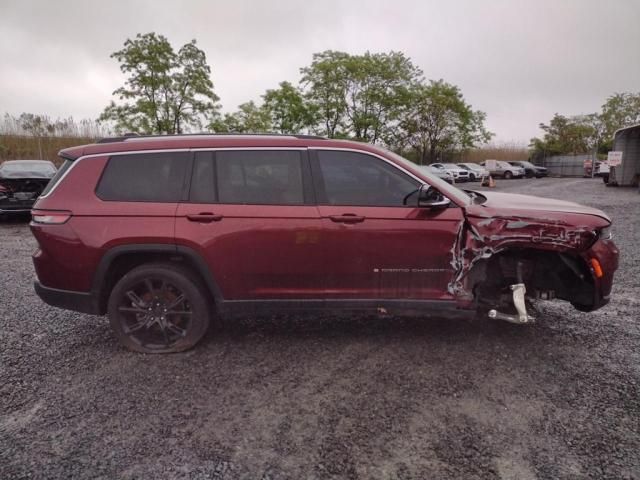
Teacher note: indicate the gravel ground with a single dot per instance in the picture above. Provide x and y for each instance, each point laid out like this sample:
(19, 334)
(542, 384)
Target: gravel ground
(329, 398)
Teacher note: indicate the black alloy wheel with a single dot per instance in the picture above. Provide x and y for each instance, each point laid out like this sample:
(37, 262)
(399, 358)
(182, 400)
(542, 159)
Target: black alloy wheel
(159, 308)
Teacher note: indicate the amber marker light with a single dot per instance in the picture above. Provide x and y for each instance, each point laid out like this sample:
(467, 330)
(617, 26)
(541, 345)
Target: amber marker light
(597, 269)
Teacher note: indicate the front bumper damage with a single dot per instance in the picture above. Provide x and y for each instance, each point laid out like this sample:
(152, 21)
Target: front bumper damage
(577, 247)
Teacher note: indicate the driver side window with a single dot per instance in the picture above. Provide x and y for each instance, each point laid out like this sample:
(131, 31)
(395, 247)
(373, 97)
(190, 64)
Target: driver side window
(357, 179)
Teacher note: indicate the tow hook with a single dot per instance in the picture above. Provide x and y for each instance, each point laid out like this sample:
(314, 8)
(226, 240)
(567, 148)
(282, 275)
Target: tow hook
(518, 301)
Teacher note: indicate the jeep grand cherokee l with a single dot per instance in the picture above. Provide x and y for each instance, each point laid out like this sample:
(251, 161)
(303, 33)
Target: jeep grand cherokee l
(164, 234)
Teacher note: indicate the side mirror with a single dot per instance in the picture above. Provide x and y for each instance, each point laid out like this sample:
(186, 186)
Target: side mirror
(429, 197)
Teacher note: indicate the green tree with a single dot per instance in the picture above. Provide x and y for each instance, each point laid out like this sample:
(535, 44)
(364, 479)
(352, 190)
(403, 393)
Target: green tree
(288, 109)
(359, 96)
(439, 121)
(326, 83)
(249, 118)
(568, 136)
(620, 110)
(379, 86)
(165, 91)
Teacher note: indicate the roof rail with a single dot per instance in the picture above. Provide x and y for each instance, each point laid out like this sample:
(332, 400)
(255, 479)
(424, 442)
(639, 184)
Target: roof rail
(117, 139)
(128, 136)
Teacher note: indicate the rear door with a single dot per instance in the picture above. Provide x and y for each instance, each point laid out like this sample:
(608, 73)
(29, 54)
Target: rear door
(377, 242)
(251, 215)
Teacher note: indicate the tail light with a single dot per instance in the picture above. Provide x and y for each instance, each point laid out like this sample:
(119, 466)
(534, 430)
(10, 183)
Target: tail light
(50, 217)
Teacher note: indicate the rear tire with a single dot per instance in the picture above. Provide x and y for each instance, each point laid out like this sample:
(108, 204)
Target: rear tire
(508, 175)
(159, 308)
(605, 179)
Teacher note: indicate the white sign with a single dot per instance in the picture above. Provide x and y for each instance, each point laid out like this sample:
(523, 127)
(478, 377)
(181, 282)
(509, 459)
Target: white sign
(614, 159)
(491, 164)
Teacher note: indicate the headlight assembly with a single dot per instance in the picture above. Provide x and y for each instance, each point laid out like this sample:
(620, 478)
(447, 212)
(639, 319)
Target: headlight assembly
(606, 233)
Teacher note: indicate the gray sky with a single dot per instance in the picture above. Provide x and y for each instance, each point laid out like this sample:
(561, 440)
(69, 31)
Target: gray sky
(519, 61)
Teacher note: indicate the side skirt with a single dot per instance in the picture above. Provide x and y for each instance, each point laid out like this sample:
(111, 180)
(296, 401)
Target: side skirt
(382, 307)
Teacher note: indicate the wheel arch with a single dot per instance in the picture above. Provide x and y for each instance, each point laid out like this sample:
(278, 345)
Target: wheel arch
(565, 273)
(119, 260)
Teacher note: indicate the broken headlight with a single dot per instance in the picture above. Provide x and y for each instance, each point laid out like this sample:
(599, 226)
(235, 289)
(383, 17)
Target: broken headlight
(606, 233)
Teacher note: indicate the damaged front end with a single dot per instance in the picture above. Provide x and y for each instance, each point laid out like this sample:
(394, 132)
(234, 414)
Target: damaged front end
(506, 258)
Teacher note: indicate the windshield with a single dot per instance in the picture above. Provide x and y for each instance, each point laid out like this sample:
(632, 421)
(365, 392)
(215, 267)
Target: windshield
(473, 166)
(446, 189)
(525, 164)
(57, 177)
(450, 165)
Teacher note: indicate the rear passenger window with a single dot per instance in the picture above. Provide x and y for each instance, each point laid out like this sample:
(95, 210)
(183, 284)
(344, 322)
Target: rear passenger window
(259, 177)
(145, 177)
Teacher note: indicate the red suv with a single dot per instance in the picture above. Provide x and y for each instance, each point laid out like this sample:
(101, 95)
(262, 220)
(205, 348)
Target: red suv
(165, 233)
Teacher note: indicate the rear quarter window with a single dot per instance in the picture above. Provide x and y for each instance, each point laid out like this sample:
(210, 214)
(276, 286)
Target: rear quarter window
(57, 177)
(145, 177)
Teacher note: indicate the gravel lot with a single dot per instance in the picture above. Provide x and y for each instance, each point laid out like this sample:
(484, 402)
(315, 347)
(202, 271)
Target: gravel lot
(329, 398)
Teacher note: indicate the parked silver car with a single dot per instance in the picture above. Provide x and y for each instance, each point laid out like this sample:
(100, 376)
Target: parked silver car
(459, 174)
(440, 173)
(499, 168)
(476, 171)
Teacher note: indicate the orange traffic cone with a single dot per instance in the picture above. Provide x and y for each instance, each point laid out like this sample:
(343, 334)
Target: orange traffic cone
(488, 182)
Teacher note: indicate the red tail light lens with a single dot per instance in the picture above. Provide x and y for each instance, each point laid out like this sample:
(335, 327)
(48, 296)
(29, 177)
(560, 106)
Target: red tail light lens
(50, 217)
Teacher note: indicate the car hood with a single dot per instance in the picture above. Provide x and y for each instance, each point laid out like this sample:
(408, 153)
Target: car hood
(515, 205)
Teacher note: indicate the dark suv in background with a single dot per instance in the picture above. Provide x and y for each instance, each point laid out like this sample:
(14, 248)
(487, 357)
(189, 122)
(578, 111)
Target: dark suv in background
(166, 233)
(531, 170)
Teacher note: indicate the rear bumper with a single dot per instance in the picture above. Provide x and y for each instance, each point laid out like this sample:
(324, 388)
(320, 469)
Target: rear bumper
(16, 209)
(84, 302)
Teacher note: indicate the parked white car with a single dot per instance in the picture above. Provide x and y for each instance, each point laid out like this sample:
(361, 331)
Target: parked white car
(602, 170)
(459, 174)
(440, 173)
(476, 171)
(500, 168)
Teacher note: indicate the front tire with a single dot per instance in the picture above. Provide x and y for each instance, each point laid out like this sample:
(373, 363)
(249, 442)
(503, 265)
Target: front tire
(472, 177)
(508, 175)
(159, 308)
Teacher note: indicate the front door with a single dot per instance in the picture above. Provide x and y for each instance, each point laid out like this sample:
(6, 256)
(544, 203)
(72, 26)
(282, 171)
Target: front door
(375, 243)
(251, 216)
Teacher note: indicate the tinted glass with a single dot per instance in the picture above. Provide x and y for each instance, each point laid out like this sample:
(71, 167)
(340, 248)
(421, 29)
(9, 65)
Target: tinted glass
(357, 179)
(146, 177)
(56, 178)
(203, 180)
(260, 177)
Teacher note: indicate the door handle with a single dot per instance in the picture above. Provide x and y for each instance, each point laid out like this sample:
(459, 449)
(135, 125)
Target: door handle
(347, 218)
(204, 217)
